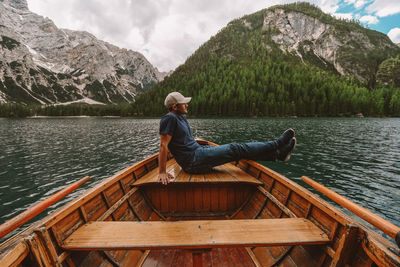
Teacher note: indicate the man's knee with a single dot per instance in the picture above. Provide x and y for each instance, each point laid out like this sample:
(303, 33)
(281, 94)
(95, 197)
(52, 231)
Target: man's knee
(238, 151)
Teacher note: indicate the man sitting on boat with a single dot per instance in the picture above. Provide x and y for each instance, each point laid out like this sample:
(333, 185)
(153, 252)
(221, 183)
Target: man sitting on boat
(176, 136)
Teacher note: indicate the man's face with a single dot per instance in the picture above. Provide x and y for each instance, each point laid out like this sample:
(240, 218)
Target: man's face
(181, 108)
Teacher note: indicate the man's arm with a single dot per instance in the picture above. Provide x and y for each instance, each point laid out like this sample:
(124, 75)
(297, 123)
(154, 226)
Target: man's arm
(163, 176)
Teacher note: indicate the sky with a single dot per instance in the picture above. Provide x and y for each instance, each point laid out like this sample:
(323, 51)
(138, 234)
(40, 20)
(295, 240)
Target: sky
(167, 32)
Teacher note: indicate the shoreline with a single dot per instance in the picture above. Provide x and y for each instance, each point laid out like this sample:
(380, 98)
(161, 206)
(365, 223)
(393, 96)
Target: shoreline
(80, 116)
(200, 117)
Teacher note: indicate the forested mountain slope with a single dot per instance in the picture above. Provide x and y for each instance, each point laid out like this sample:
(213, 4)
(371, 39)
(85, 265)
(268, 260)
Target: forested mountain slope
(286, 60)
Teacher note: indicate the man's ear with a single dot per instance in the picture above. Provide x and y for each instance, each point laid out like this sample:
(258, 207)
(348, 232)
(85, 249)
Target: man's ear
(174, 107)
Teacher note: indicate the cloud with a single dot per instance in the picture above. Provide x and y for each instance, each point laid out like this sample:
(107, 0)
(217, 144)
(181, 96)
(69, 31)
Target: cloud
(394, 35)
(369, 19)
(383, 8)
(360, 3)
(347, 16)
(328, 6)
(166, 32)
(357, 3)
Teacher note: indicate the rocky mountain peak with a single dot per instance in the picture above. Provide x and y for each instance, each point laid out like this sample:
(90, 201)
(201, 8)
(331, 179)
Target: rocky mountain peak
(294, 28)
(41, 63)
(18, 4)
(305, 31)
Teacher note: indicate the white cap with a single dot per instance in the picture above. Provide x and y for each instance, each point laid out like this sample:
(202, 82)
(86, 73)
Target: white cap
(176, 98)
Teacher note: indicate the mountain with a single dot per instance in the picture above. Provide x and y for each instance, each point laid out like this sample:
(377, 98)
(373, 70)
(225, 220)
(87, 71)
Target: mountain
(286, 60)
(42, 64)
(322, 40)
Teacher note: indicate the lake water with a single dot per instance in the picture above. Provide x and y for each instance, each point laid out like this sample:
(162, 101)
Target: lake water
(358, 158)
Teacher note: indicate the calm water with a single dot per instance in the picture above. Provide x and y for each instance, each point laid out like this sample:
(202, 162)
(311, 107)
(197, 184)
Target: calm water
(358, 158)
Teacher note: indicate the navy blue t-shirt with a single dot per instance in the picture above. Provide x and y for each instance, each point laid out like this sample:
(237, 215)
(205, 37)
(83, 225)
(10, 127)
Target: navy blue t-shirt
(182, 144)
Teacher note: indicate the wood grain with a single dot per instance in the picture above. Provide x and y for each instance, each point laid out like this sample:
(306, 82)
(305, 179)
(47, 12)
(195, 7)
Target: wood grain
(14, 256)
(224, 173)
(194, 234)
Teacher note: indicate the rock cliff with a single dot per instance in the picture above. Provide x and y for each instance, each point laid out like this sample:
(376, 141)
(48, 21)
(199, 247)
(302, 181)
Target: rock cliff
(351, 50)
(40, 63)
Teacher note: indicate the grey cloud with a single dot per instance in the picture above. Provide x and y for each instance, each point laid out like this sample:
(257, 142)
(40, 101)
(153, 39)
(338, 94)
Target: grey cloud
(202, 26)
(146, 14)
(171, 30)
(101, 18)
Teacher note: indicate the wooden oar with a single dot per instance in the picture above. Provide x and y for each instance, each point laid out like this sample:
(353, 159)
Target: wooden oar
(25, 216)
(385, 226)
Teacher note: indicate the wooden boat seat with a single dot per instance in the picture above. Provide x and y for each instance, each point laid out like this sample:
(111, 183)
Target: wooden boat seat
(115, 235)
(221, 174)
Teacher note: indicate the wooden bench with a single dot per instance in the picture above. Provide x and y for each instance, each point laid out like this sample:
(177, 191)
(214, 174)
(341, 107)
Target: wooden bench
(227, 173)
(194, 234)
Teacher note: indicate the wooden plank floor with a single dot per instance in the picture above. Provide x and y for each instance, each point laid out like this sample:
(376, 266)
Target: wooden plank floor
(213, 257)
(195, 234)
(224, 173)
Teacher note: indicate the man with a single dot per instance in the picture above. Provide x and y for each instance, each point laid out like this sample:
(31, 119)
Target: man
(176, 136)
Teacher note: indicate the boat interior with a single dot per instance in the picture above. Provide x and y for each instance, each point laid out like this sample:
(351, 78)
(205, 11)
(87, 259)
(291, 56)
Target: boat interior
(242, 214)
(228, 193)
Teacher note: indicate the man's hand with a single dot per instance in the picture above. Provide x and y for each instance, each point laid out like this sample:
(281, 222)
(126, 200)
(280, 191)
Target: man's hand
(165, 178)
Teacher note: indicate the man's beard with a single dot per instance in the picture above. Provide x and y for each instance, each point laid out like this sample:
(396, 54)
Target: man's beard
(181, 113)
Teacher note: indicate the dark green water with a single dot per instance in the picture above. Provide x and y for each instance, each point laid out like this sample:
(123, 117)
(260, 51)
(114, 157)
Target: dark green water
(358, 158)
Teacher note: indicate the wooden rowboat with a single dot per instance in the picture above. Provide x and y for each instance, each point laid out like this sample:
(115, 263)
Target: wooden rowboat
(238, 215)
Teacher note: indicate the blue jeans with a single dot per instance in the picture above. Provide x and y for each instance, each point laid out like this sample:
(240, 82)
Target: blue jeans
(206, 157)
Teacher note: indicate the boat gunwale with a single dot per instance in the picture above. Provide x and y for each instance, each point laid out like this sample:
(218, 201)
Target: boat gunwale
(370, 238)
(347, 219)
(14, 254)
(322, 204)
(14, 241)
(86, 196)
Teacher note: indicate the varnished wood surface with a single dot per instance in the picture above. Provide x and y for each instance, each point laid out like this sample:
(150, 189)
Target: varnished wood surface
(365, 214)
(224, 173)
(194, 234)
(210, 257)
(59, 214)
(14, 256)
(197, 199)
